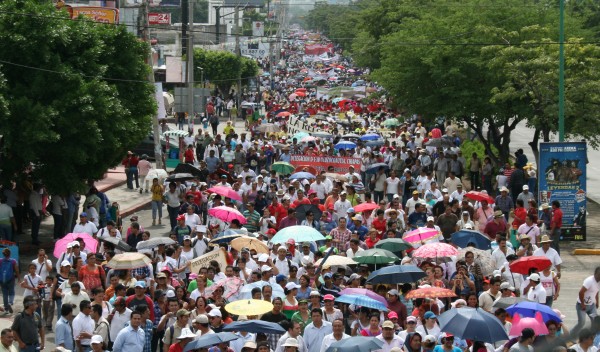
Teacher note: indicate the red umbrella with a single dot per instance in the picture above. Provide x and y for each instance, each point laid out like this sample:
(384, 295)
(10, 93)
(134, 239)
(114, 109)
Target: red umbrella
(306, 168)
(365, 207)
(301, 90)
(522, 265)
(480, 196)
(225, 192)
(284, 114)
(300, 93)
(430, 292)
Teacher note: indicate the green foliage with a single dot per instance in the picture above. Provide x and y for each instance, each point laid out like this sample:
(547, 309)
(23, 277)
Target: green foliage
(469, 147)
(335, 21)
(76, 93)
(222, 67)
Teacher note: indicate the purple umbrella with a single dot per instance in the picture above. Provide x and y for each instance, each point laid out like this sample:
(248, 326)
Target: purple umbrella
(364, 292)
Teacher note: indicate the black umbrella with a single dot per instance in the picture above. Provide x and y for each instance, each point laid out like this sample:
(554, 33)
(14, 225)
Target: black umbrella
(302, 209)
(183, 168)
(117, 243)
(180, 177)
(440, 142)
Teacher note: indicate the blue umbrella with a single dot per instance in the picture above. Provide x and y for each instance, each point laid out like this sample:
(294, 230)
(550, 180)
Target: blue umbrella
(298, 233)
(396, 274)
(375, 143)
(255, 326)
(302, 175)
(361, 301)
(356, 344)
(210, 340)
(528, 309)
(473, 324)
(345, 145)
(462, 239)
(370, 137)
(224, 238)
(371, 170)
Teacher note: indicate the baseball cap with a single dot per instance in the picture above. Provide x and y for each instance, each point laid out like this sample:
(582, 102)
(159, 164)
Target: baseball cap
(387, 325)
(265, 268)
(497, 273)
(182, 312)
(279, 278)
(141, 284)
(534, 277)
(201, 228)
(187, 238)
(250, 345)
(291, 286)
(392, 315)
(65, 263)
(358, 217)
(393, 292)
(430, 339)
(430, 218)
(263, 257)
(161, 275)
(415, 192)
(328, 298)
(429, 315)
(328, 276)
(504, 286)
(181, 217)
(215, 313)
(83, 214)
(351, 210)
(96, 339)
(411, 319)
(525, 188)
(315, 293)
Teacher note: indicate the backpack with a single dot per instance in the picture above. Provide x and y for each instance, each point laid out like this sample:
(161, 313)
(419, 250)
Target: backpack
(288, 261)
(7, 269)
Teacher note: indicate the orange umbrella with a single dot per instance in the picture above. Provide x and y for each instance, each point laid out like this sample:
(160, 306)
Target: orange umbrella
(430, 292)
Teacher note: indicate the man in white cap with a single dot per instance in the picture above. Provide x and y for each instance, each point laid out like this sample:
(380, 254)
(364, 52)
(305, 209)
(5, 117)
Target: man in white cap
(202, 325)
(183, 339)
(389, 338)
(97, 343)
(526, 196)
(535, 291)
(341, 206)
(200, 243)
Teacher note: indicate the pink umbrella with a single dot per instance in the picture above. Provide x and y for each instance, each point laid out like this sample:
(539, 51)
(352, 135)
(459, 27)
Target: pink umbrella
(225, 192)
(61, 245)
(308, 139)
(293, 96)
(537, 324)
(226, 214)
(419, 235)
(230, 285)
(284, 114)
(363, 292)
(435, 250)
(365, 207)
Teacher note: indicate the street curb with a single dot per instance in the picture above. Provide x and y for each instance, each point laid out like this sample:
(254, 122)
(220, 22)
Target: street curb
(134, 209)
(111, 186)
(586, 251)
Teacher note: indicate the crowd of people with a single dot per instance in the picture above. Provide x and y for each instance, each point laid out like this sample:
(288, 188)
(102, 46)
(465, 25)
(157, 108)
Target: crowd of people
(411, 182)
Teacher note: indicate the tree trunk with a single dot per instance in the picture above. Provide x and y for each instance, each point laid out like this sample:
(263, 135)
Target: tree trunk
(534, 147)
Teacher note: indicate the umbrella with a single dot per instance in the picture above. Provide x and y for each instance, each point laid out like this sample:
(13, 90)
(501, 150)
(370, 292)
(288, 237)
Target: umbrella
(255, 326)
(308, 139)
(337, 100)
(268, 128)
(536, 323)
(246, 291)
(375, 143)
(480, 196)
(322, 135)
(61, 245)
(345, 145)
(223, 239)
(154, 242)
(306, 168)
(430, 292)
(284, 114)
(298, 233)
(362, 301)
(210, 340)
(300, 93)
(302, 209)
(391, 123)
(463, 237)
(370, 137)
(523, 264)
(356, 344)
(117, 243)
(225, 192)
(364, 292)
(302, 175)
(365, 207)
(180, 177)
(301, 89)
(394, 245)
(184, 168)
(226, 214)
(250, 243)
(371, 170)
(282, 167)
(527, 309)
(175, 133)
(434, 251)
(336, 177)
(231, 286)
(396, 274)
(473, 324)
(300, 135)
(128, 261)
(420, 234)
(350, 135)
(440, 143)
(481, 257)
(249, 307)
(376, 256)
(335, 260)
(505, 302)
(292, 96)
(160, 174)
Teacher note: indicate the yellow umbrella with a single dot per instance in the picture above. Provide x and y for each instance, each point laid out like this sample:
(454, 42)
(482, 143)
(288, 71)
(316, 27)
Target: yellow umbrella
(249, 307)
(336, 260)
(250, 243)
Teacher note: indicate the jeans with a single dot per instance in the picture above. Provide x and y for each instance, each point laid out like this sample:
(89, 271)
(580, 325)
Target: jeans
(8, 292)
(590, 311)
(214, 128)
(377, 196)
(487, 183)
(58, 308)
(36, 221)
(390, 197)
(30, 348)
(474, 176)
(157, 206)
(58, 225)
(549, 300)
(6, 232)
(48, 312)
(556, 240)
(173, 212)
(133, 171)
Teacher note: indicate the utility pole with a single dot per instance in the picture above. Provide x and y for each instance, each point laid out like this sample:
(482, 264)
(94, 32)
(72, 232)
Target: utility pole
(238, 51)
(561, 72)
(155, 126)
(190, 60)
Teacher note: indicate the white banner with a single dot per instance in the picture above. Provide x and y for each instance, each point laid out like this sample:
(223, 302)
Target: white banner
(203, 261)
(258, 29)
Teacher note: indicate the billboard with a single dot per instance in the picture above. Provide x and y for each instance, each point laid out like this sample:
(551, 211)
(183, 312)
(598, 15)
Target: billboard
(562, 177)
(97, 14)
(159, 18)
(258, 29)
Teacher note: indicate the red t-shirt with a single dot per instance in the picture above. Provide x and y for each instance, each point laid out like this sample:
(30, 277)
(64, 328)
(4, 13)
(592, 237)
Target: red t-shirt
(557, 216)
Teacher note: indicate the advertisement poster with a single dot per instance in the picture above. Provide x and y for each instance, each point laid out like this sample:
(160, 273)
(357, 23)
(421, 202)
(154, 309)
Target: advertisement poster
(97, 14)
(321, 163)
(562, 177)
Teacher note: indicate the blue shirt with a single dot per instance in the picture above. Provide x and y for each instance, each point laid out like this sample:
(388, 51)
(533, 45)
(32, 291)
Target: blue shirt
(130, 340)
(64, 334)
(148, 331)
(440, 348)
(313, 336)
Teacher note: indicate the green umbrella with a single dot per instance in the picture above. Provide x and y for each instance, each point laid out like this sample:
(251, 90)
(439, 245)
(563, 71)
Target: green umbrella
(376, 256)
(391, 122)
(394, 245)
(283, 168)
(300, 135)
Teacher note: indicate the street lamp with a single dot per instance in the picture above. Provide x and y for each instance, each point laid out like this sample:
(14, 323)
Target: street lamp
(201, 75)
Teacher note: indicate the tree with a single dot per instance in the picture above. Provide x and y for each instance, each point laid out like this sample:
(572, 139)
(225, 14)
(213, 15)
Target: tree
(222, 68)
(77, 95)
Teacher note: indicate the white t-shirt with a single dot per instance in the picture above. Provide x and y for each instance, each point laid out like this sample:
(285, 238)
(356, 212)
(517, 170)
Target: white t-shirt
(592, 288)
(552, 254)
(392, 185)
(537, 294)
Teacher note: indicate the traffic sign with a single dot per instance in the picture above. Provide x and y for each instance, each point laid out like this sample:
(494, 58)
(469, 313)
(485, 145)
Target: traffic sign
(159, 18)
